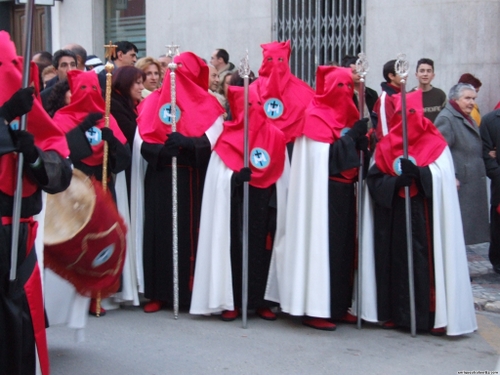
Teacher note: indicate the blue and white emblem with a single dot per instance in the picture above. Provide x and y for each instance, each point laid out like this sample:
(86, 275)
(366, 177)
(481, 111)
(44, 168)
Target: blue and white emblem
(14, 124)
(396, 164)
(259, 158)
(344, 131)
(274, 108)
(94, 136)
(166, 114)
(103, 256)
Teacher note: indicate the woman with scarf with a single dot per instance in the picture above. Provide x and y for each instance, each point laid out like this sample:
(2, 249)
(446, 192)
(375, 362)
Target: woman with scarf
(462, 135)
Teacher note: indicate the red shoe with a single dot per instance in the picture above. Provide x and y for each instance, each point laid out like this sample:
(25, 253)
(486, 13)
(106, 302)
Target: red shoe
(230, 315)
(349, 318)
(93, 308)
(319, 323)
(438, 331)
(389, 325)
(266, 313)
(153, 306)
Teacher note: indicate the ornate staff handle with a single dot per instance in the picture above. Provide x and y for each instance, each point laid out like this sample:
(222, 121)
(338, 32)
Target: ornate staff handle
(362, 68)
(110, 52)
(244, 71)
(173, 50)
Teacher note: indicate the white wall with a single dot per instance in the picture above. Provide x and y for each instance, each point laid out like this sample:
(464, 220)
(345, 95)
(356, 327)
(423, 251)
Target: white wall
(80, 22)
(202, 26)
(460, 36)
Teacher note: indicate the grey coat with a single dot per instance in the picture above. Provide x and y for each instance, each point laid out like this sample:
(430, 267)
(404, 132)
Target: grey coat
(466, 148)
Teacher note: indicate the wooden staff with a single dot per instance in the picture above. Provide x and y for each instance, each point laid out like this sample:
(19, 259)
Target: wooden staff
(402, 68)
(16, 210)
(362, 68)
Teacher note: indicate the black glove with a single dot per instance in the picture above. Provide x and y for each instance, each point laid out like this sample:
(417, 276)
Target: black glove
(25, 143)
(359, 129)
(362, 143)
(403, 180)
(244, 175)
(410, 169)
(89, 121)
(18, 104)
(176, 141)
(108, 136)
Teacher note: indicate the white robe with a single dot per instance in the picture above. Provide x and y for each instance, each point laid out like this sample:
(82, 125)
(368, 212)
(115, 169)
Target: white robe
(454, 299)
(213, 288)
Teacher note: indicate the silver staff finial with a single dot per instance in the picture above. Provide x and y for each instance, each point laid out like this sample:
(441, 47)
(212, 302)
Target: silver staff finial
(402, 67)
(362, 66)
(244, 68)
(173, 50)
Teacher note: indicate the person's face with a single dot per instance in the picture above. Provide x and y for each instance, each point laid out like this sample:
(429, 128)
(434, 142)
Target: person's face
(125, 59)
(67, 97)
(355, 76)
(227, 79)
(152, 77)
(467, 100)
(136, 90)
(425, 74)
(164, 61)
(395, 79)
(66, 63)
(214, 60)
(47, 77)
(213, 79)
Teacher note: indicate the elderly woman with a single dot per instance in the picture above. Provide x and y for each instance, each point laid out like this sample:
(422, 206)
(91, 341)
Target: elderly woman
(153, 70)
(462, 134)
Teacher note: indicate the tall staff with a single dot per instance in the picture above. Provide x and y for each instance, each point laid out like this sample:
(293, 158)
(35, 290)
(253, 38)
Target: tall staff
(173, 50)
(402, 68)
(16, 210)
(362, 68)
(244, 71)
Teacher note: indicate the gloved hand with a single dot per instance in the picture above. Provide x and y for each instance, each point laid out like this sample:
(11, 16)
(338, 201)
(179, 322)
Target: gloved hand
(359, 129)
(176, 140)
(362, 143)
(18, 104)
(244, 175)
(108, 136)
(25, 143)
(90, 121)
(410, 169)
(403, 180)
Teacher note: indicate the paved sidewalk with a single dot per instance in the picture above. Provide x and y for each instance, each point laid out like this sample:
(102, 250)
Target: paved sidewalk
(485, 282)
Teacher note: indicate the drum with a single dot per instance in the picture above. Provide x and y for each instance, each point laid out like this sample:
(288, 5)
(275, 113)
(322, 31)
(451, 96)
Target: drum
(85, 237)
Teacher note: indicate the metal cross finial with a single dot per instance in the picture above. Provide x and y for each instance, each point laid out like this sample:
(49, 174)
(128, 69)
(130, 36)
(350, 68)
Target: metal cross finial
(244, 68)
(362, 66)
(110, 50)
(402, 67)
(173, 50)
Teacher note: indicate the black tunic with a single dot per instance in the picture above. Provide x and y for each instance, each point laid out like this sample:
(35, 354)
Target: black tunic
(391, 257)
(157, 251)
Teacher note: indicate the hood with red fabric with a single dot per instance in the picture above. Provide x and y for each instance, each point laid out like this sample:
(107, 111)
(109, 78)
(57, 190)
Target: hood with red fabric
(332, 110)
(266, 142)
(86, 97)
(196, 109)
(46, 133)
(283, 96)
(425, 142)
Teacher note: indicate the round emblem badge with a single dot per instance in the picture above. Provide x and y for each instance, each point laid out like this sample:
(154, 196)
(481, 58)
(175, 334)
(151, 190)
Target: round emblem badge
(274, 108)
(344, 131)
(165, 114)
(14, 124)
(259, 158)
(94, 136)
(103, 256)
(396, 164)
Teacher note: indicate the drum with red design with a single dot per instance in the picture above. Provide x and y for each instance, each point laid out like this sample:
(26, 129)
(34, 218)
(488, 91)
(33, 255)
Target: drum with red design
(85, 237)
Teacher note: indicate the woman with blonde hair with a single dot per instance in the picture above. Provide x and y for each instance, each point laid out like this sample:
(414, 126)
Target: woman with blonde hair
(152, 68)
